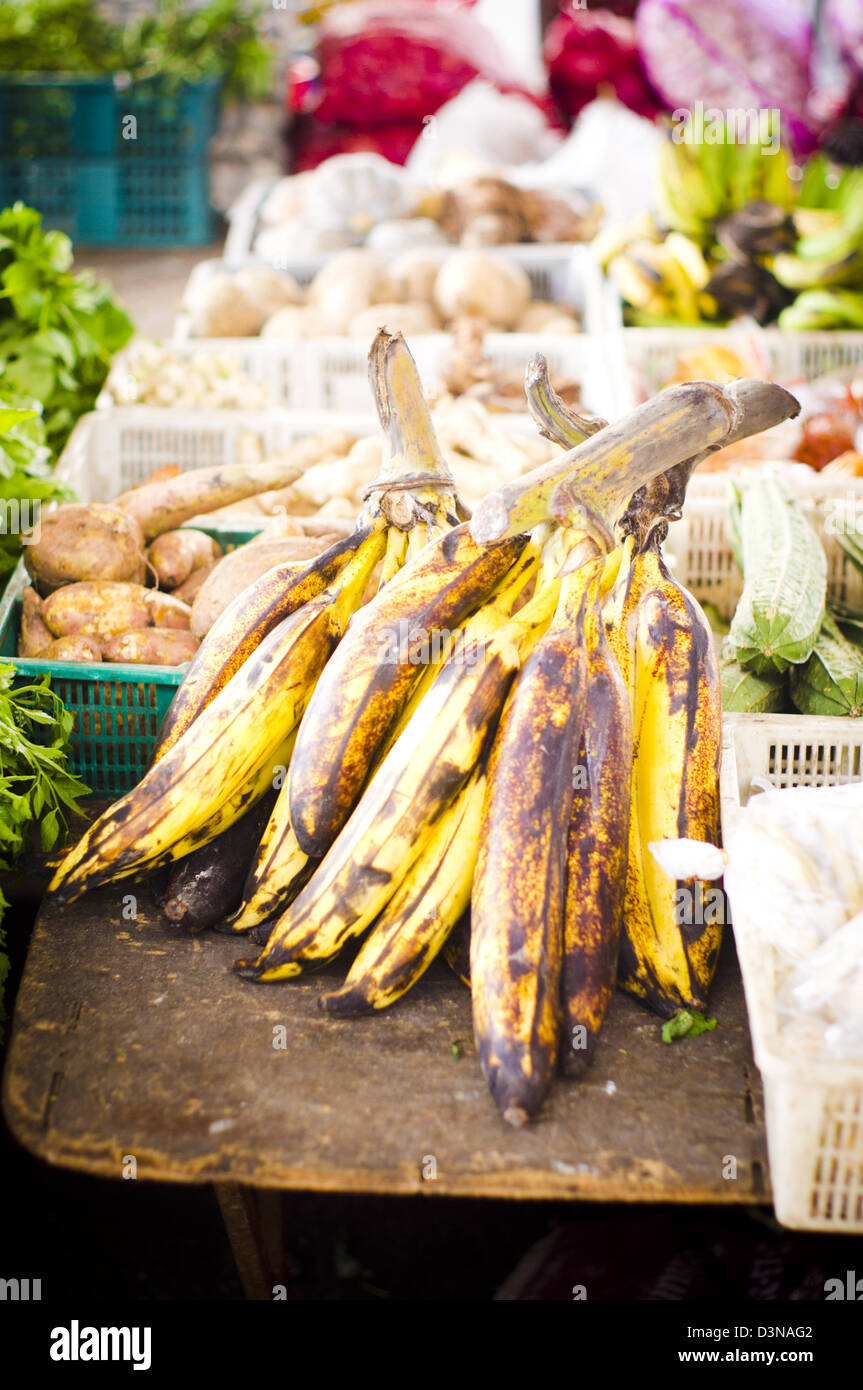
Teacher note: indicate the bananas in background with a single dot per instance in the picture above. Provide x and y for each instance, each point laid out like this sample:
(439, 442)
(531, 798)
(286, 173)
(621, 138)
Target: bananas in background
(736, 236)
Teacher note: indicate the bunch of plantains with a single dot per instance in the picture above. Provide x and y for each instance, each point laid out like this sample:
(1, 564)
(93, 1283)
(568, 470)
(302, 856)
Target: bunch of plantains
(482, 722)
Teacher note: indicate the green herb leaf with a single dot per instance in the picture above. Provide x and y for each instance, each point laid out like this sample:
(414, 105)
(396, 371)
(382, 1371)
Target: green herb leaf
(688, 1023)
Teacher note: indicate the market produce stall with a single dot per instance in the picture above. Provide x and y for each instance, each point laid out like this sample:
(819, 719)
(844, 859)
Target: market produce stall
(421, 657)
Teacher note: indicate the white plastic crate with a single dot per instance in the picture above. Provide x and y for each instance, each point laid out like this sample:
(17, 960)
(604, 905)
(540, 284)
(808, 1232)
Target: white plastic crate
(331, 374)
(814, 1108)
(699, 548)
(112, 450)
(650, 356)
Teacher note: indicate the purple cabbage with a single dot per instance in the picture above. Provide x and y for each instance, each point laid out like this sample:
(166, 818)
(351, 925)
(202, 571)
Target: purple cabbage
(731, 54)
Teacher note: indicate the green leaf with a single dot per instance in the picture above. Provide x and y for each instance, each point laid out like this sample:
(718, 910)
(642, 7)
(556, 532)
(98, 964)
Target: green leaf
(10, 419)
(688, 1023)
(49, 829)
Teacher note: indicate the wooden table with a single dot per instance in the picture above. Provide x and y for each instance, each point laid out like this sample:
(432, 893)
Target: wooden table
(128, 1041)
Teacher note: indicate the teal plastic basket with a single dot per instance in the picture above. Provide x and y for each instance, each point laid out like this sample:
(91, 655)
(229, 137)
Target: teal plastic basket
(118, 708)
(116, 201)
(47, 115)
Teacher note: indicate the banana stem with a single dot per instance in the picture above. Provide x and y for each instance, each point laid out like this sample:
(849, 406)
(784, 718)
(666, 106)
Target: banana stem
(414, 482)
(554, 419)
(762, 405)
(589, 486)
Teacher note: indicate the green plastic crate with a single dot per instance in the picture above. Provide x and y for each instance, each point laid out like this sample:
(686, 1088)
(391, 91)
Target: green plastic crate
(87, 117)
(118, 708)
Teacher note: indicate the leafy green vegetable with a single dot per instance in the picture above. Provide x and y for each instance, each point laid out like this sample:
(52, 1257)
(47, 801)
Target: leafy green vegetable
(58, 331)
(688, 1023)
(25, 477)
(36, 786)
(174, 39)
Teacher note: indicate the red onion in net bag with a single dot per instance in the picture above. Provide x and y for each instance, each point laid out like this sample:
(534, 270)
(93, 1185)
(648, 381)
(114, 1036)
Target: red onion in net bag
(588, 49)
(400, 62)
(730, 54)
(313, 142)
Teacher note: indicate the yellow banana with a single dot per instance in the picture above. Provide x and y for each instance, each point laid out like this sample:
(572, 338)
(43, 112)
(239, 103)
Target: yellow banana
(241, 733)
(664, 645)
(422, 773)
(372, 674)
(598, 842)
(519, 886)
(420, 916)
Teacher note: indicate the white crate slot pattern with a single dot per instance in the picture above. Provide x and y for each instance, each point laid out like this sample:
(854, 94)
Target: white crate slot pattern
(814, 1108)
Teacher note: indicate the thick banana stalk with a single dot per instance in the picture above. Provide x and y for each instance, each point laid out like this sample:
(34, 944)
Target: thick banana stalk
(239, 631)
(664, 645)
(239, 735)
(420, 916)
(589, 486)
(420, 776)
(372, 673)
(517, 904)
(598, 842)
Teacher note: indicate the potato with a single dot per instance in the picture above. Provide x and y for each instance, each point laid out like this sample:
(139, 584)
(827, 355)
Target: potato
(86, 543)
(484, 286)
(151, 646)
(96, 609)
(397, 318)
(79, 648)
(241, 568)
(296, 321)
(542, 317)
(219, 309)
(34, 635)
(187, 591)
(166, 610)
(414, 274)
(175, 554)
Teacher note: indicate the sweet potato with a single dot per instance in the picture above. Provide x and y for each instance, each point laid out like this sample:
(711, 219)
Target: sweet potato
(241, 568)
(166, 610)
(174, 555)
(161, 507)
(34, 635)
(186, 592)
(77, 648)
(151, 646)
(86, 543)
(100, 609)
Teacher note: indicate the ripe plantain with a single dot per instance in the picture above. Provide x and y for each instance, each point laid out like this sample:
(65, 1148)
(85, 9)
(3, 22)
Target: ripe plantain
(373, 672)
(422, 773)
(519, 886)
(279, 870)
(238, 632)
(243, 733)
(598, 840)
(420, 916)
(664, 646)
(206, 885)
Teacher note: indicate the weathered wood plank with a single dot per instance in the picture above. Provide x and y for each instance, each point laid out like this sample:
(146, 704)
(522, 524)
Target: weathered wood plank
(129, 1041)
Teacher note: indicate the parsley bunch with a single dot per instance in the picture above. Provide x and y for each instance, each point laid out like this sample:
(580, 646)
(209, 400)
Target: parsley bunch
(58, 331)
(25, 473)
(36, 786)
